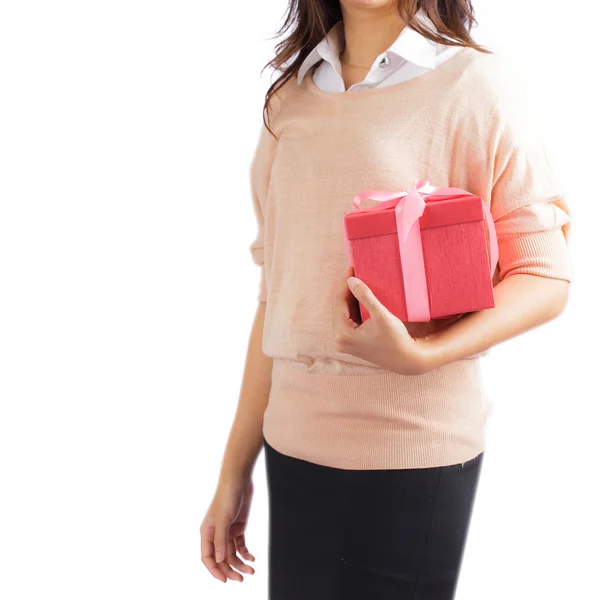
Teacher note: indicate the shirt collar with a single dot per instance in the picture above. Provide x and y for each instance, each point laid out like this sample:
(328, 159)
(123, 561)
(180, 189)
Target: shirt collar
(409, 45)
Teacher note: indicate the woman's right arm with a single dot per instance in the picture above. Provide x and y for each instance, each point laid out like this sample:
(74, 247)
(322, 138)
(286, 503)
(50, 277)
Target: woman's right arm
(223, 528)
(245, 439)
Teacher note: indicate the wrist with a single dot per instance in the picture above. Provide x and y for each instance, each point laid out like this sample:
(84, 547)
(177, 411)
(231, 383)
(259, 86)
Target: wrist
(231, 474)
(433, 352)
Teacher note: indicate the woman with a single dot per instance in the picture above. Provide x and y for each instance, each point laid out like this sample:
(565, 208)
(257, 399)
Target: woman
(374, 432)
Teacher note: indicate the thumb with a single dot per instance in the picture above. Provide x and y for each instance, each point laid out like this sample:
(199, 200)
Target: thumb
(363, 293)
(221, 534)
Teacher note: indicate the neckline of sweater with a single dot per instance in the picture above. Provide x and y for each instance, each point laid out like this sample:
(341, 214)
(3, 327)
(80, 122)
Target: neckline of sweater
(310, 85)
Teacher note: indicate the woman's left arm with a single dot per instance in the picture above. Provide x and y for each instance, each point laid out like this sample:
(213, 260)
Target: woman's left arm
(535, 273)
(522, 302)
(532, 221)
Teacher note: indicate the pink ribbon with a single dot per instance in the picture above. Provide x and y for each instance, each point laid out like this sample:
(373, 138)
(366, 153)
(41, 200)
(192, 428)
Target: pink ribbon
(409, 206)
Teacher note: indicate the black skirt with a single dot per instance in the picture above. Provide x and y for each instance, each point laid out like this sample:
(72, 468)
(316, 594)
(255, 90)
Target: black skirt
(382, 534)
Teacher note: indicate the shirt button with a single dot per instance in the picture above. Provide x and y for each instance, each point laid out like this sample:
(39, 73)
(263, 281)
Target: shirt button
(384, 61)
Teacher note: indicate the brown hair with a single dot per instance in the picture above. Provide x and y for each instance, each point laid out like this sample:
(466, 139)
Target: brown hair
(309, 21)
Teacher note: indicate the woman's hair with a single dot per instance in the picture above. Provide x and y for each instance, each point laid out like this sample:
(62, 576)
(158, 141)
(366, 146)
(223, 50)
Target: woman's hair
(308, 21)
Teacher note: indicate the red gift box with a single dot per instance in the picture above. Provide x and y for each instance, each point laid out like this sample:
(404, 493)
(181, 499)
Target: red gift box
(426, 254)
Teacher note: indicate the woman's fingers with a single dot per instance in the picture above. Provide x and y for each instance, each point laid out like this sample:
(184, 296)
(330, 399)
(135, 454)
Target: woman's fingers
(230, 573)
(240, 542)
(364, 294)
(342, 318)
(240, 565)
(221, 570)
(207, 532)
(234, 560)
(221, 534)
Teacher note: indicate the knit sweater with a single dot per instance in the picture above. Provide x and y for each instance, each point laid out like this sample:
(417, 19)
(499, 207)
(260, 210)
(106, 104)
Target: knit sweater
(466, 124)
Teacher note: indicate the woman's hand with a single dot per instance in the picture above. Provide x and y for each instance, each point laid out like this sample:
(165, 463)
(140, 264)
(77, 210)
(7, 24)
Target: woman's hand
(223, 529)
(383, 339)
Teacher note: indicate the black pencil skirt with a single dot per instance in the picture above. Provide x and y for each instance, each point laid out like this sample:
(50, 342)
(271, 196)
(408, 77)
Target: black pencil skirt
(339, 534)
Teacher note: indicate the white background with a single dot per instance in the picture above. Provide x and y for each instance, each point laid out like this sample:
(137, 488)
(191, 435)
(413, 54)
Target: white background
(127, 293)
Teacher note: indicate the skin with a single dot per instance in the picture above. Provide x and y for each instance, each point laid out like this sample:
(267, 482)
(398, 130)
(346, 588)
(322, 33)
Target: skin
(370, 27)
(522, 302)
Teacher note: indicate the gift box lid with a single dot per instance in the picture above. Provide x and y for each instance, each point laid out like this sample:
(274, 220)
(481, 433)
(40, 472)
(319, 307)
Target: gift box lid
(438, 213)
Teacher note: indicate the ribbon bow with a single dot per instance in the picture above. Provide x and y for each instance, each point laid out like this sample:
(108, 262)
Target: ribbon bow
(408, 208)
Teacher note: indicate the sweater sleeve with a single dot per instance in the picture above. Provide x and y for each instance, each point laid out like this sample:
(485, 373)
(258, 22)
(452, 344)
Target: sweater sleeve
(260, 173)
(530, 213)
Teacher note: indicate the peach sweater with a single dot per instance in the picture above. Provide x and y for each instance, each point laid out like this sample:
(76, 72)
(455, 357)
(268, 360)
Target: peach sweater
(467, 124)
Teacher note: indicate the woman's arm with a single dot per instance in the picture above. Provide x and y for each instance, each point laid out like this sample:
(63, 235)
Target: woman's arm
(245, 439)
(223, 528)
(534, 276)
(522, 302)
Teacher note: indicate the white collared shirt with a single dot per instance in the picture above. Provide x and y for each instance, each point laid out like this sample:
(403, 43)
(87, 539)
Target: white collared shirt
(410, 55)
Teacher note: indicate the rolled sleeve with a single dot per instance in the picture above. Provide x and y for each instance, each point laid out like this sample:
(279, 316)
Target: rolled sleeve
(257, 251)
(260, 173)
(531, 216)
(541, 253)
